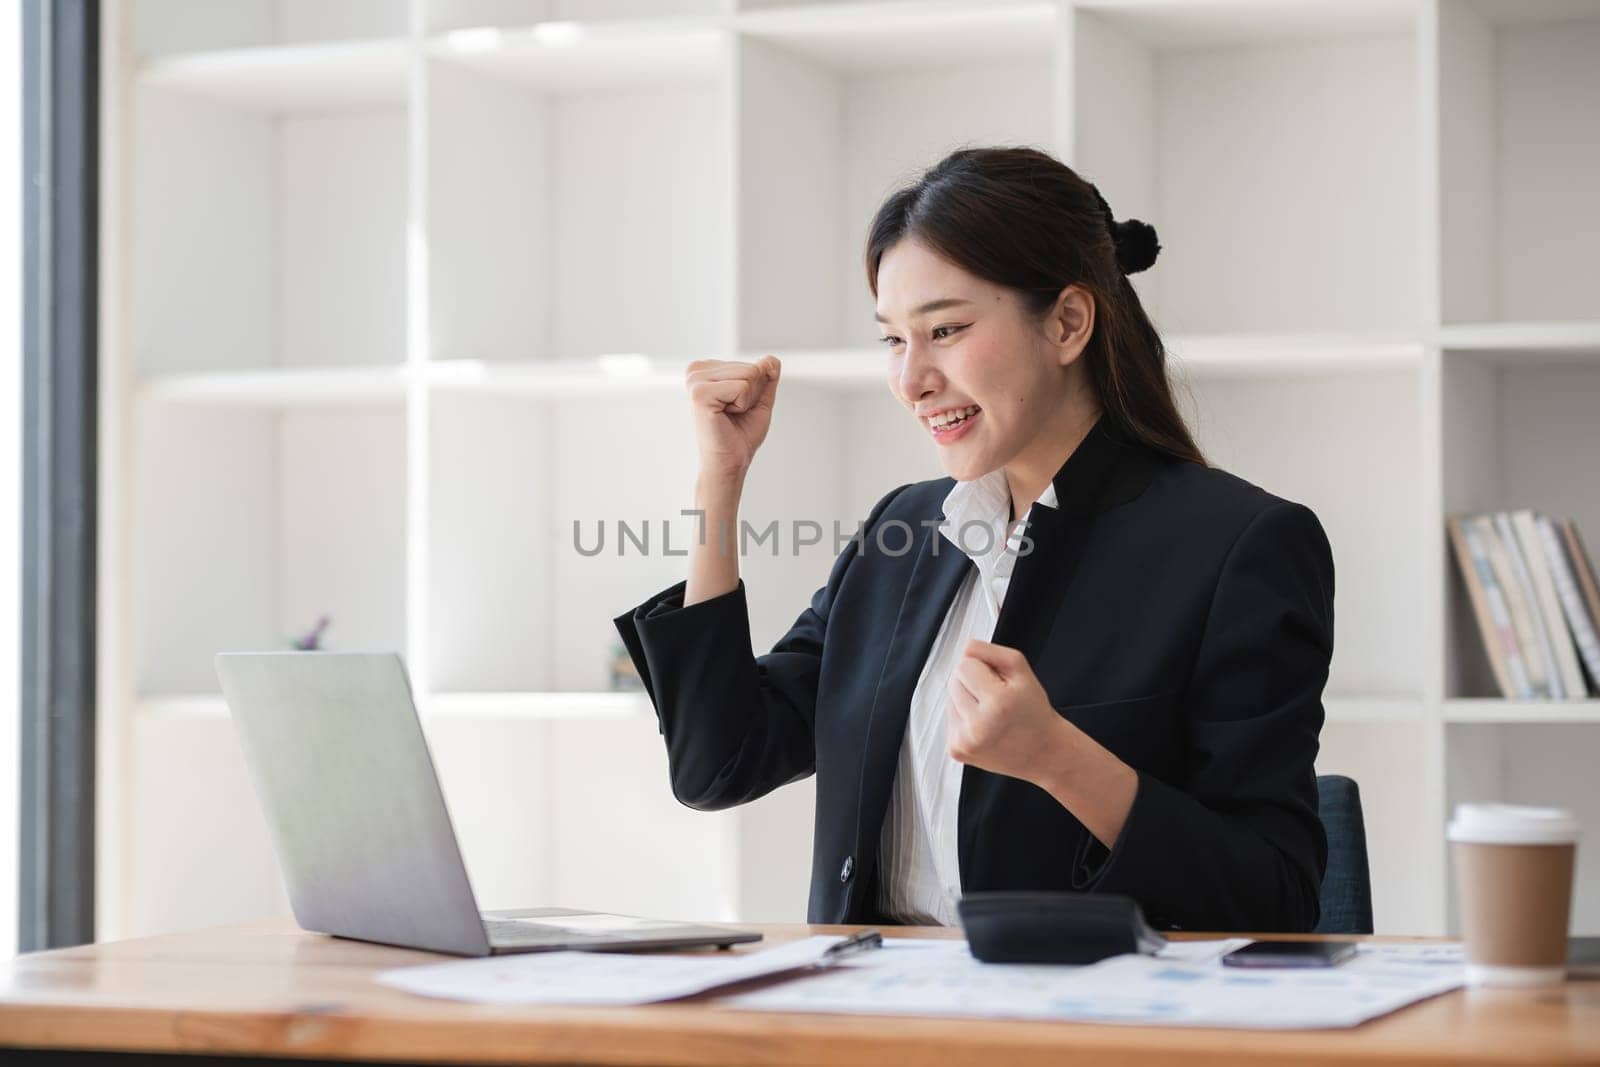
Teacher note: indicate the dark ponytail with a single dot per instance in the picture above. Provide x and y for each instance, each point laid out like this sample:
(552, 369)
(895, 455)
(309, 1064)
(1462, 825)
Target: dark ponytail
(1021, 218)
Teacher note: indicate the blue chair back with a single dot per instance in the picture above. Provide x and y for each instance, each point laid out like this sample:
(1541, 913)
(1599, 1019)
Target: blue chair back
(1347, 883)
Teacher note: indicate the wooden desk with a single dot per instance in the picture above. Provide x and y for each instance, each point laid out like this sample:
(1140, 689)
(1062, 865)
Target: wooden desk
(267, 989)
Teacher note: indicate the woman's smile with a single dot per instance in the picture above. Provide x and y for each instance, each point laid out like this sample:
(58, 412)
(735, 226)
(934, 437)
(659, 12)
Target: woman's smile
(952, 424)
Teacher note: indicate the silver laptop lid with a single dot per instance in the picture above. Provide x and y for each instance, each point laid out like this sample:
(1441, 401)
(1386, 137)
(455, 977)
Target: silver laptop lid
(348, 787)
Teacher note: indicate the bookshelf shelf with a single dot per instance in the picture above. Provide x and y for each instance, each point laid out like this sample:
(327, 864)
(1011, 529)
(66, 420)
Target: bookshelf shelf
(1268, 356)
(1208, 358)
(442, 17)
(1497, 711)
(873, 37)
(1178, 25)
(624, 372)
(1248, 357)
(1536, 336)
(405, 290)
(636, 372)
(582, 56)
(289, 78)
(1516, 344)
(280, 387)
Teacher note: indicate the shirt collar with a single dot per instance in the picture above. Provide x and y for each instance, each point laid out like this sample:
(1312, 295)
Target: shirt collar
(975, 514)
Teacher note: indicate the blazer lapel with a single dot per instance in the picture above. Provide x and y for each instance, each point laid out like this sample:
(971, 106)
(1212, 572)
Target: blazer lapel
(1039, 580)
(935, 579)
(1093, 478)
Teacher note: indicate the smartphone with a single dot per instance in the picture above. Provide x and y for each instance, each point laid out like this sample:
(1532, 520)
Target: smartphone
(1290, 954)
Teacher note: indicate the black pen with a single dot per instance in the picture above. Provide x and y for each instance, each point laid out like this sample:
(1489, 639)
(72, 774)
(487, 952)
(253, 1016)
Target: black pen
(858, 942)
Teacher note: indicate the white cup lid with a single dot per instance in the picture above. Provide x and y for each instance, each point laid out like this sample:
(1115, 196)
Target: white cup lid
(1512, 824)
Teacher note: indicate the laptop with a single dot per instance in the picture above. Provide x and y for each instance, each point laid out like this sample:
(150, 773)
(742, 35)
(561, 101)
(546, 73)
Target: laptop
(338, 758)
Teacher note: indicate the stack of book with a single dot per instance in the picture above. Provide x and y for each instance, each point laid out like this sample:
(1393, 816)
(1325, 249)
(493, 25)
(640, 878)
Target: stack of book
(1537, 599)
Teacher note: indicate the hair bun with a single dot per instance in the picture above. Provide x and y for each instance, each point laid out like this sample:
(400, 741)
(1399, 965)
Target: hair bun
(1136, 243)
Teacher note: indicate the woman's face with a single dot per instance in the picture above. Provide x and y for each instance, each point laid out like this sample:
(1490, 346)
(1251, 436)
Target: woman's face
(983, 378)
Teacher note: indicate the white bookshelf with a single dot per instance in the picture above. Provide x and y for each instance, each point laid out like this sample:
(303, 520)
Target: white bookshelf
(397, 292)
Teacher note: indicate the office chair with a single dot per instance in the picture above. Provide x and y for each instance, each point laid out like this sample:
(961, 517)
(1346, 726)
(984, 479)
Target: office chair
(1347, 883)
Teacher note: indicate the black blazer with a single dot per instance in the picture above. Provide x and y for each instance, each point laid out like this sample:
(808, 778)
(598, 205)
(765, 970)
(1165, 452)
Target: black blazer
(1179, 615)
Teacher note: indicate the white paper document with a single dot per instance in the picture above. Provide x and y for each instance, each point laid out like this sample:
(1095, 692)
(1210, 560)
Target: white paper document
(1189, 987)
(598, 978)
(1443, 953)
(1184, 985)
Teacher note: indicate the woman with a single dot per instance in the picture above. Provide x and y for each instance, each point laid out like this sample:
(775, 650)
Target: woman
(1120, 694)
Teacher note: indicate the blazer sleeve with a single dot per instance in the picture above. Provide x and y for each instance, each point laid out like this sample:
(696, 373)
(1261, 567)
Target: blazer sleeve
(1240, 846)
(737, 725)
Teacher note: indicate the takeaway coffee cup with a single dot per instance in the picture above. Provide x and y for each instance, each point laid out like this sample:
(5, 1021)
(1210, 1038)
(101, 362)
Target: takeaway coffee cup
(1514, 878)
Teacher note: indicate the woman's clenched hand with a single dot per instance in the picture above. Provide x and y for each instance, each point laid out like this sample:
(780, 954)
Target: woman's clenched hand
(732, 402)
(1000, 719)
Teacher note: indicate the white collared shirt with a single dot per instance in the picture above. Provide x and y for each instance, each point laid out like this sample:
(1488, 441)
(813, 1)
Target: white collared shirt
(919, 873)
